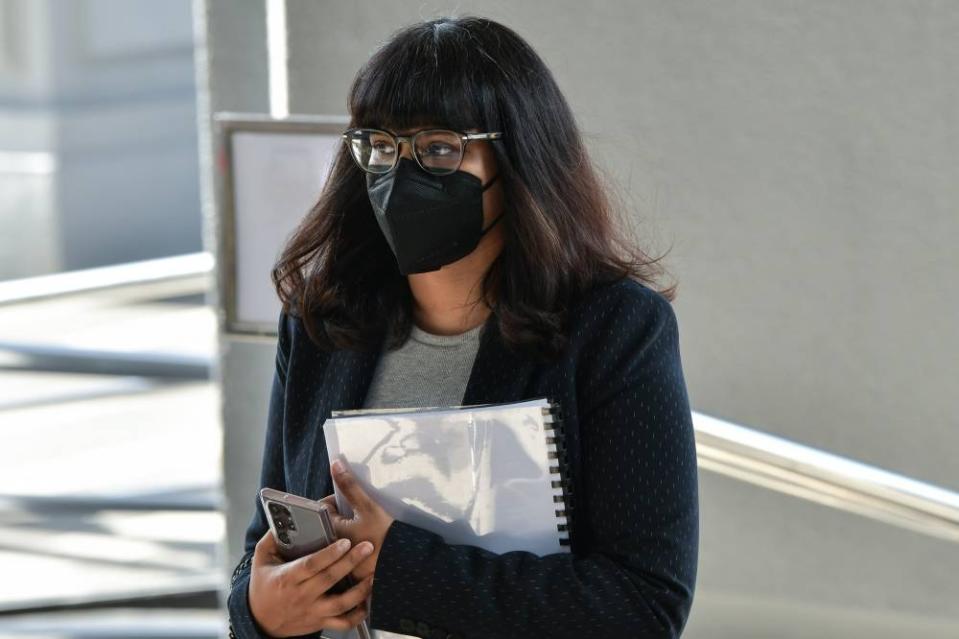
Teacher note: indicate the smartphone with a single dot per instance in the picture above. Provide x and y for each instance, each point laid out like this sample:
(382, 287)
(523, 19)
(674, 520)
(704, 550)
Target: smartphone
(301, 526)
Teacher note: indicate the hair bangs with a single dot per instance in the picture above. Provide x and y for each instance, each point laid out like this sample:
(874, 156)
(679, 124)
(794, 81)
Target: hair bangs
(414, 86)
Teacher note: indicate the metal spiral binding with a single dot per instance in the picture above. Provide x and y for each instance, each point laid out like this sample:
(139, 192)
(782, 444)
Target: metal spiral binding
(556, 437)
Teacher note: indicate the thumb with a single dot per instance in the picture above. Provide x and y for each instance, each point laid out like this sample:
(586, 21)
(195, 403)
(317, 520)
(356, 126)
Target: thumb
(330, 502)
(266, 550)
(347, 483)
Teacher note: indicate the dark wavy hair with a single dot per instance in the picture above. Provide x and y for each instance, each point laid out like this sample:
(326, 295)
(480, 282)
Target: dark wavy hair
(561, 236)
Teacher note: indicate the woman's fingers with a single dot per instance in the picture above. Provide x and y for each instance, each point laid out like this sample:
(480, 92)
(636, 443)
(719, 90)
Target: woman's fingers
(288, 596)
(350, 619)
(324, 580)
(302, 568)
(265, 551)
(330, 502)
(334, 605)
(350, 488)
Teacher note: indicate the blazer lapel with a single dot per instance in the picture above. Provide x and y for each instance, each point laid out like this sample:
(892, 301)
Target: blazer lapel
(354, 370)
(346, 380)
(498, 374)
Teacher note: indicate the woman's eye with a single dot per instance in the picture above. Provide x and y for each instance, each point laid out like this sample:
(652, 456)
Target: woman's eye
(383, 148)
(438, 148)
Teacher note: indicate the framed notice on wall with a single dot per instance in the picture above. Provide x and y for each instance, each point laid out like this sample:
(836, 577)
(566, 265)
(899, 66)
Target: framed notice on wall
(269, 174)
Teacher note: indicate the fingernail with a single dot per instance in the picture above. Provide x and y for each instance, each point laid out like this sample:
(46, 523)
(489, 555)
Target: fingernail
(337, 466)
(343, 544)
(366, 548)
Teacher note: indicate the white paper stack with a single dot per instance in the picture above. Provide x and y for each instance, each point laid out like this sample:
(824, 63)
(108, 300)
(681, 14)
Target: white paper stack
(488, 475)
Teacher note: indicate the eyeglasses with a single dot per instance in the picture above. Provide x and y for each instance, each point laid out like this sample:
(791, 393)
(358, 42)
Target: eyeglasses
(437, 151)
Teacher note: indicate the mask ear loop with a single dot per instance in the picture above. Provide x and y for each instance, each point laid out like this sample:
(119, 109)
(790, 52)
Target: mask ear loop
(489, 184)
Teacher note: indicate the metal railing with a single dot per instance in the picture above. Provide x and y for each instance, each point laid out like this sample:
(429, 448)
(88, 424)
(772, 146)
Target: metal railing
(190, 274)
(148, 280)
(161, 277)
(816, 475)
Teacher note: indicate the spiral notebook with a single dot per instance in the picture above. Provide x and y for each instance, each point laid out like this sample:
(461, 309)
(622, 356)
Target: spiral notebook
(489, 475)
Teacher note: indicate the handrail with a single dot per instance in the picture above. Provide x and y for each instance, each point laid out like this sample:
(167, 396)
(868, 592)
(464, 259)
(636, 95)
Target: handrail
(67, 359)
(813, 474)
(187, 273)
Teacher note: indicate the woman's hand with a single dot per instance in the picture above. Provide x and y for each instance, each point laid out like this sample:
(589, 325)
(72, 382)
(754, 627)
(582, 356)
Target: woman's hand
(289, 598)
(369, 522)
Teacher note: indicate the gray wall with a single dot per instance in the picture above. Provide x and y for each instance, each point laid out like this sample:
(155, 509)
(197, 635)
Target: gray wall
(98, 142)
(801, 161)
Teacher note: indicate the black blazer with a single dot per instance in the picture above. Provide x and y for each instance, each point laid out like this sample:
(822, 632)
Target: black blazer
(634, 526)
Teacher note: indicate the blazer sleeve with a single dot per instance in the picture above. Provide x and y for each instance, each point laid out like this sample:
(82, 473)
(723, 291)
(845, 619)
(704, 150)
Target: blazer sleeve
(242, 623)
(640, 515)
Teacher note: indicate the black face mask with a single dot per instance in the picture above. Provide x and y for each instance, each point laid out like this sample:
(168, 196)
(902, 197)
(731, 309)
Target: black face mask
(428, 220)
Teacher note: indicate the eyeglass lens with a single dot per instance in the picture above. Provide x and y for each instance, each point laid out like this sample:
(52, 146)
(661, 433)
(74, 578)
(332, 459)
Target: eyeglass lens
(438, 151)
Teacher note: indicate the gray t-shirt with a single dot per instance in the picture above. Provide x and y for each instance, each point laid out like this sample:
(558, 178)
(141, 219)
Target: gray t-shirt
(427, 370)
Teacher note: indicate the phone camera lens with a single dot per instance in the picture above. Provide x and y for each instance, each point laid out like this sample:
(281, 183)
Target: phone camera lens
(284, 537)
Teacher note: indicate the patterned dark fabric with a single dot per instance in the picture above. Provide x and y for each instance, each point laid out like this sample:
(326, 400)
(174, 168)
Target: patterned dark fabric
(632, 454)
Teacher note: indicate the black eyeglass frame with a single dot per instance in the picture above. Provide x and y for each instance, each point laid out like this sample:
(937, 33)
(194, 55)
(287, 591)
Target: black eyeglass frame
(465, 138)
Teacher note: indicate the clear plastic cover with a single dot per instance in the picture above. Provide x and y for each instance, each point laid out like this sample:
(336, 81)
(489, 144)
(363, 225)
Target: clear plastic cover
(483, 476)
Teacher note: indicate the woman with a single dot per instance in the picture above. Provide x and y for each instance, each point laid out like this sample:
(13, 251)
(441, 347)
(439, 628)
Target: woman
(463, 251)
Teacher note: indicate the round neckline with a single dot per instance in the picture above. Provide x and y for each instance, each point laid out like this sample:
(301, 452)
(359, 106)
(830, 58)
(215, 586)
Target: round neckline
(425, 337)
